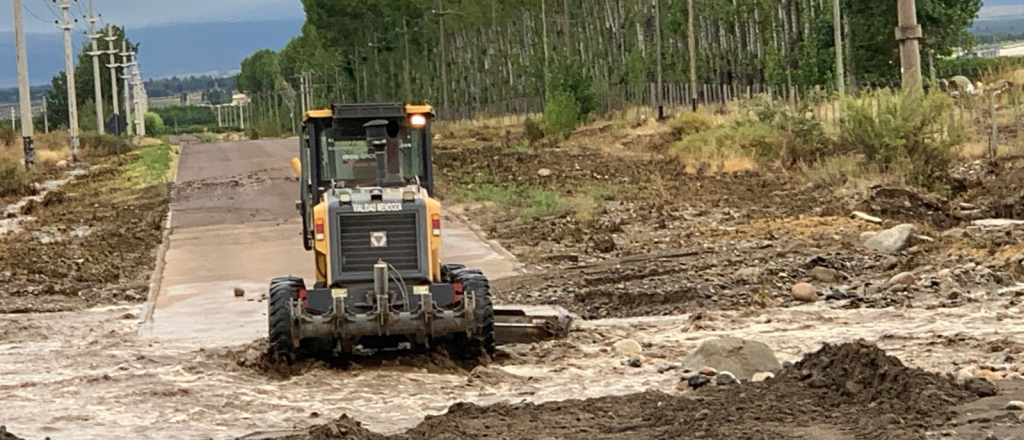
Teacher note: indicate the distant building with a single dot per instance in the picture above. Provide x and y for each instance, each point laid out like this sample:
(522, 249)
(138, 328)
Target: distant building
(1009, 50)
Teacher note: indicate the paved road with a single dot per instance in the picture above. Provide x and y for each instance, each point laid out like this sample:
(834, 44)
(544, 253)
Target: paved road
(234, 225)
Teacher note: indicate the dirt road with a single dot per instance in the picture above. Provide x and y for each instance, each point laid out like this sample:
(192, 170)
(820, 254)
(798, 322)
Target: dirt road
(234, 225)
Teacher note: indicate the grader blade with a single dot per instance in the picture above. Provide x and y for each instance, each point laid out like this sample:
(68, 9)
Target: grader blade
(528, 324)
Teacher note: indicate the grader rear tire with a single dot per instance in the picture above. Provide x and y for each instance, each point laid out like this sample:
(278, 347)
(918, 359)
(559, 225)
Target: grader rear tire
(283, 293)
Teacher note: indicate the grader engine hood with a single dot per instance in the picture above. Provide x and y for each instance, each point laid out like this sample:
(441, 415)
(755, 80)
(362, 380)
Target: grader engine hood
(378, 224)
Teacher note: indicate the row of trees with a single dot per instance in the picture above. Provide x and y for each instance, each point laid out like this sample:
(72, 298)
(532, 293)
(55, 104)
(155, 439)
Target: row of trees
(471, 52)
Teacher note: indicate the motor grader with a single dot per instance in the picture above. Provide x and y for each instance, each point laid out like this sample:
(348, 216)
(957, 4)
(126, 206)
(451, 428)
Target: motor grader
(370, 219)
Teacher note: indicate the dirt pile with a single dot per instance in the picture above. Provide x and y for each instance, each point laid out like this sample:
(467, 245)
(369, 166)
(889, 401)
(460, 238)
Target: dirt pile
(845, 391)
(4, 435)
(862, 374)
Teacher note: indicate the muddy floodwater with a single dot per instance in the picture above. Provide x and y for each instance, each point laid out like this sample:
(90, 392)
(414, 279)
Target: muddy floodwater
(87, 375)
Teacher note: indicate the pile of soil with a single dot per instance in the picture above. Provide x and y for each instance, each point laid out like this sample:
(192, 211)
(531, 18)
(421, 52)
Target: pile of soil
(844, 391)
(91, 244)
(4, 435)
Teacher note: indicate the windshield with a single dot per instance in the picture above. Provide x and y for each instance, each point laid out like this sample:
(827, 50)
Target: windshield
(348, 161)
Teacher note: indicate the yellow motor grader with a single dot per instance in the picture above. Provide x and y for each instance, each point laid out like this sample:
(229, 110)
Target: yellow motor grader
(366, 187)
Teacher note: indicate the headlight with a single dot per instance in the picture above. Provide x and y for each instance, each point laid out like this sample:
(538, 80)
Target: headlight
(345, 198)
(408, 196)
(418, 121)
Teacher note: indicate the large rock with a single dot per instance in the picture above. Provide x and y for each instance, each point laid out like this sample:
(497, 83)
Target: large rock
(628, 348)
(892, 240)
(741, 357)
(804, 292)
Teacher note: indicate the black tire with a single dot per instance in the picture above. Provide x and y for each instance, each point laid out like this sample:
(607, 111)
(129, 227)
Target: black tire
(283, 293)
(482, 340)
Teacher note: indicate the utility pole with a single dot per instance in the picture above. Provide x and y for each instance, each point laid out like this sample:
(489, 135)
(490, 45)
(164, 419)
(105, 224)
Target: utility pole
(69, 68)
(909, 35)
(95, 53)
(116, 107)
(24, 97)
(544, 29)
(126, 77)
(440, 12)
(46, 114)
(657, 28)
(140, 122)
(837, 24)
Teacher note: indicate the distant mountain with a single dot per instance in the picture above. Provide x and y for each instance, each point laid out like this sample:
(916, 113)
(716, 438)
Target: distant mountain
(165, 51)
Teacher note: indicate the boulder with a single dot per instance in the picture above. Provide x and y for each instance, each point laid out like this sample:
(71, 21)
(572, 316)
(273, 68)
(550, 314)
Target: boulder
(866, 217)
(867, 235)
(544, 172)
(743, 358)
(893, 240)
(762, 376)
(628, 348)
(1015, 405)
(804, 292)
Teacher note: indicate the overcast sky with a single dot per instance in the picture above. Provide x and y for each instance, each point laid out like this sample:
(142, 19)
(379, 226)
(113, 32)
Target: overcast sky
(147, 13)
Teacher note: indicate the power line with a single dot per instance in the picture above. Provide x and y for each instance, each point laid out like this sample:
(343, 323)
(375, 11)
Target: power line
(25, 7)
(55, 15)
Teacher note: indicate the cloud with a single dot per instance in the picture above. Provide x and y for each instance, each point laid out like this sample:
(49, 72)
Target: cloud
(150, 13)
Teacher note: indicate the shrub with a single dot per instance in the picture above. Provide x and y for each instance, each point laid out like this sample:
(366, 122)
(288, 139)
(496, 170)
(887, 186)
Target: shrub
(14, 181)
(7, 136)
(94, 144)
(561, 113)
(532, 130)
(154, 124)
(569, 77)
(252, 133)
(905, 128)
(690, 123)
(742, 140)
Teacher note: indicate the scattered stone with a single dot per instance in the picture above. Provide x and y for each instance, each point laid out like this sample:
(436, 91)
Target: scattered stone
(804, 292)
(866, 217)
(667, 367)
(654, 353)
(61, 164)
(762, 376)
(239, 292)
(1015, 405)
(544, 172)
(981, 387)
(54, 197)
(748, 274)
(955, 233)
(743, 358)
(902, 279)
(634, 363)
(824, 274)
(604, 245)
(628, 347)
(726, 378)
(891, 419)
(708, 371)
(698, 381)
(997, 223)
(964, 375)
(892, 240)
(924, 239)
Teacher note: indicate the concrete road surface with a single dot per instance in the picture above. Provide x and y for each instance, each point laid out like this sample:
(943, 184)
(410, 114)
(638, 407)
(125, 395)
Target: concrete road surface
(234, 225)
